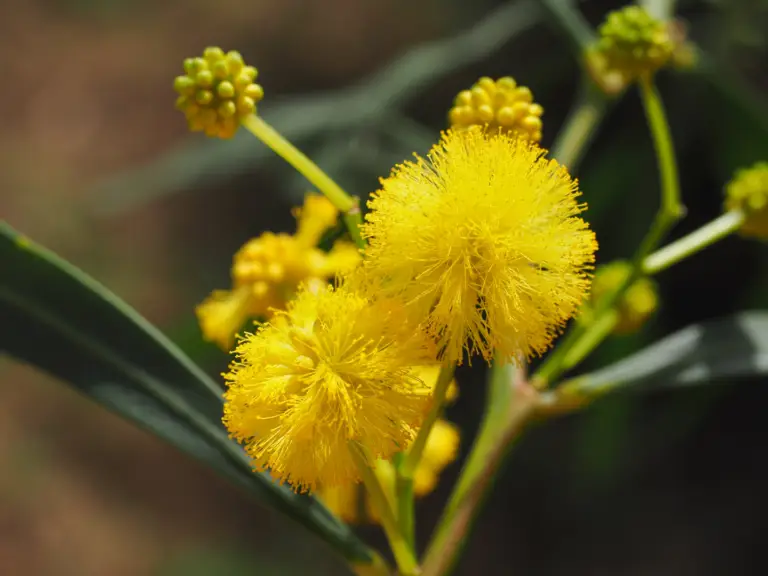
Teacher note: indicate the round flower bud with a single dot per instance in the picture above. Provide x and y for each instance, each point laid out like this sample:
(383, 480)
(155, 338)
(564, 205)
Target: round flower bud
(748, 192)
(499, 105)
(634, 43)
(635, 307)
(217, 91)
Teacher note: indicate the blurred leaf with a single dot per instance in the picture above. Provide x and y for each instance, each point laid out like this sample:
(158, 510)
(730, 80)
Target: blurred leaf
(714, 351)
(571, 24)
(200, 160)
(66, 323)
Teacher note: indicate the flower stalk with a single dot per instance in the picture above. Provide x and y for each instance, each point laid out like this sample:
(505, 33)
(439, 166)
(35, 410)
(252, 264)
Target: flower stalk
(348, 205)
(669, 213)
(401, 549)
(410, 461)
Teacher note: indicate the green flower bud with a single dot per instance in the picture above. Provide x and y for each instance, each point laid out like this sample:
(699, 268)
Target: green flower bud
(217, 91)
(498, 105)
(637, 305)
(748, 192)
(633, 43)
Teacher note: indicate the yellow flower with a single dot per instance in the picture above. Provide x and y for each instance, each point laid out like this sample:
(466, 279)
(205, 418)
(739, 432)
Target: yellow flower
(639, 302)
(348, 501)
(333, 369)
(498, 105)
(748, 192)
(267, 271)
(484, 243)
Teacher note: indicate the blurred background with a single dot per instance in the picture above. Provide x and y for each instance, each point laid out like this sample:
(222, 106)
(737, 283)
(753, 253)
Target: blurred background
(96, 164)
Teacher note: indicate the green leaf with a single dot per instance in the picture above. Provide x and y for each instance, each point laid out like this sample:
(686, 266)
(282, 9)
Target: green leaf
(64, 322)
(714, 351)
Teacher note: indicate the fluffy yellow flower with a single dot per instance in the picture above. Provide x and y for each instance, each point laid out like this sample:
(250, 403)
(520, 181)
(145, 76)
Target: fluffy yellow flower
(483, 241)
(333, 369)
(267, 271)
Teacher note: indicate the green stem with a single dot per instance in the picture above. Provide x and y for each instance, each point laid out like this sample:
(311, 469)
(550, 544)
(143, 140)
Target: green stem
(410, 461)
(697, 240)
(403, 553)
(580, 126)
(591, 338)
(489, 452)
(346, 204)
(669, 213)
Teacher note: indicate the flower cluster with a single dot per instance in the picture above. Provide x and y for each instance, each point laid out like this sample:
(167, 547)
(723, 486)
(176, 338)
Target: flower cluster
(633, 44)
(477, 248)
(217, 91)
(499, 105)
(267, 271)
(636, 305)
(748, 192)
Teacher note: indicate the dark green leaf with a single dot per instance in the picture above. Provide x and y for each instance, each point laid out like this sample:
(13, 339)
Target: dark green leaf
(59, 319)
(714, 351)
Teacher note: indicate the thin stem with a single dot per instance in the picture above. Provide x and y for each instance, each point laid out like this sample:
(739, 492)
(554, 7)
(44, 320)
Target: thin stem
(410, 461)
(346, 204)
(669, 213)
(475, 480)
(580, 126)
(591, 338)
(404, 556)
(697, 240)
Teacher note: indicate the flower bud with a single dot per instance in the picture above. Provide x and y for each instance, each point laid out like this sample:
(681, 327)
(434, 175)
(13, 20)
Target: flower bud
(748, 192)
(498, 105)
(217, 91)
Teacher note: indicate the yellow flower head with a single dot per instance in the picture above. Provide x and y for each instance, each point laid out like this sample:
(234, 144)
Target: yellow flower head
(637, 305)
(483, 241)
(267, 271)
(633, 43)
(748, 192)
(333, 369)
(498, 105)
(217, 91)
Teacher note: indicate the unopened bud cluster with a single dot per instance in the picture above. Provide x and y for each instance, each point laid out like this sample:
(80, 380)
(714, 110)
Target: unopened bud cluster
(498, 105)
(748, 192)
(636, 305)
(217, 91)
(634, 43)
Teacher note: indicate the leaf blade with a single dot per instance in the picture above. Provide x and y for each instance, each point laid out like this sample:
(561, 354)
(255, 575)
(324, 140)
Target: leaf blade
(72, 327)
